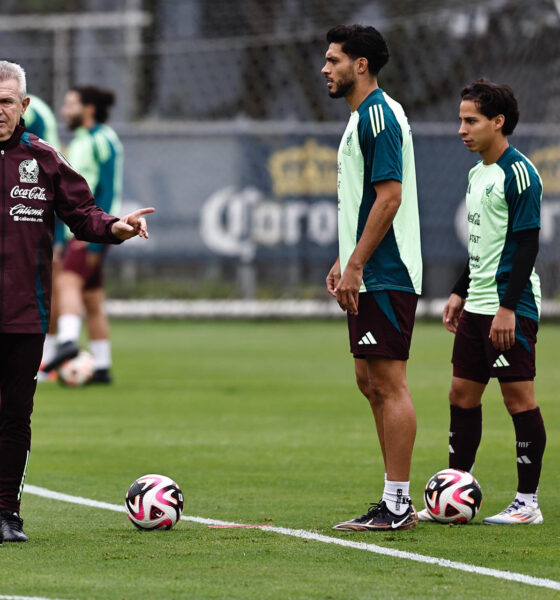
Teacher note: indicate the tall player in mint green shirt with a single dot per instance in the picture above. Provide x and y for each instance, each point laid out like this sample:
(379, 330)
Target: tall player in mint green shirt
(495, 306)
(377, 276)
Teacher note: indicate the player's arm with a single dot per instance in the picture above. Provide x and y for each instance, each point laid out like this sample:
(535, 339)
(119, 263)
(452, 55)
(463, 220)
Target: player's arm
(333, 277)
(524, 196)
(454, 306)
(502, 332)
(379, 220)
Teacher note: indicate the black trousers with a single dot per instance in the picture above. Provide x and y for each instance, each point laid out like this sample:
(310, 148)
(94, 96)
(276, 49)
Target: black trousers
(20, 358)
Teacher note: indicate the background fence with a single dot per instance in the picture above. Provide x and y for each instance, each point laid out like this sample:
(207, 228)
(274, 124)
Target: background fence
(229, 131)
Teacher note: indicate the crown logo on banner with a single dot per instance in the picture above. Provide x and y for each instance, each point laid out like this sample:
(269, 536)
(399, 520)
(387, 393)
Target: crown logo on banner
(308, 170)
(547, 161)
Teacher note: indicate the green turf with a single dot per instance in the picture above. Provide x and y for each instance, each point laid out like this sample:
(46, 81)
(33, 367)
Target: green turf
(261, 423)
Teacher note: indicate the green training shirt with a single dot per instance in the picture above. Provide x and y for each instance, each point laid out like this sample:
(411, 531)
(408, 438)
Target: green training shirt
(377, 146)
(502, 198)
(40, 120)
(97, 154)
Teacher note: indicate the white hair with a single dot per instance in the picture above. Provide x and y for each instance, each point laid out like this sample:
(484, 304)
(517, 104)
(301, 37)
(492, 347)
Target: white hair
(10, 70)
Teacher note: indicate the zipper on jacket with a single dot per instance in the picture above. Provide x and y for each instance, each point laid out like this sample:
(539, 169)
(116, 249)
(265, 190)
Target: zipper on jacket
(3, 235)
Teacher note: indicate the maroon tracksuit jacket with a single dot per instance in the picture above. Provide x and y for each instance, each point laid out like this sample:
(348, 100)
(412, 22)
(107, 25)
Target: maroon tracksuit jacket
(36, 182)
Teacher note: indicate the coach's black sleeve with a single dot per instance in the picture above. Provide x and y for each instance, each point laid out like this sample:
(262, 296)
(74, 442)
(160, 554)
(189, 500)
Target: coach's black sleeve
(462, 285)
(523, 263)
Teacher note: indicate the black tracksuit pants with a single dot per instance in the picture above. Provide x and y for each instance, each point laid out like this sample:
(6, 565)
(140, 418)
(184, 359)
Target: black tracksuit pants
(20, 358)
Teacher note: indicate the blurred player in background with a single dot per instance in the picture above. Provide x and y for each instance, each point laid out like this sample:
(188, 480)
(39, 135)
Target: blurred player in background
(40, 120)
(95, 152)
(494, 307)
(377, 277)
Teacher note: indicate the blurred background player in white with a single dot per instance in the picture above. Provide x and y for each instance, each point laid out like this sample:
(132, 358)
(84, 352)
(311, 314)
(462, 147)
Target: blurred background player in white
(494, 308)
(378, 274)
(41, 121)
(96, 153)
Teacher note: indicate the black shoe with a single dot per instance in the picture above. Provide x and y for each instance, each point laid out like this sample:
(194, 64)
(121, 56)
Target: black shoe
(380, 518)
(11, 526)
(101, 376)
(64, 352)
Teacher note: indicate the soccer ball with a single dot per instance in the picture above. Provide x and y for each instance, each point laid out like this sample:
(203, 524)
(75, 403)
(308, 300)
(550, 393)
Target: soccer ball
(154, 502)
(77, 371)
(453, 496)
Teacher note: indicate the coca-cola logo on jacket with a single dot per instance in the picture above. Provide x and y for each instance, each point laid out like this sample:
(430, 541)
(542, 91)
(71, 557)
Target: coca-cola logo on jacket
(34, 193)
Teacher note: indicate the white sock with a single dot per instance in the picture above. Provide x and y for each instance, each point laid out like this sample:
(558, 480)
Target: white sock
(69, 326)
(49, 348)
(528, 499)
(101, 351)
(397, 496)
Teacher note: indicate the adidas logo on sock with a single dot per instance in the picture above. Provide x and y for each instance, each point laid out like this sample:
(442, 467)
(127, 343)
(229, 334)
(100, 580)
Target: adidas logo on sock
(524, 460)
(367, 339)
(501, 362)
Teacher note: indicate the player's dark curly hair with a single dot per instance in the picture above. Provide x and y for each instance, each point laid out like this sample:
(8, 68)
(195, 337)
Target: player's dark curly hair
(358, 41)
(101, 99)
(493, 99)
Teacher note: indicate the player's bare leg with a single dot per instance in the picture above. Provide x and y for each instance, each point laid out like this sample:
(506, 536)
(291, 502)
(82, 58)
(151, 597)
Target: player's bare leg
(69, 286)
(96, 317)
(466, 393)
(394, 405)
(365, 386)
(519, 396)
(99, 332)
(390, 399)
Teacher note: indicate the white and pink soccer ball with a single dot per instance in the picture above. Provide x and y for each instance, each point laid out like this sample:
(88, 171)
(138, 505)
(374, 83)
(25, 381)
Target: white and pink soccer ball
(77, 371)
(154, 502)
(453, 496)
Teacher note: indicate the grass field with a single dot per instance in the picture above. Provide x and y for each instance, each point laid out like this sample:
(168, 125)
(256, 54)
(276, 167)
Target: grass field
(261, 423)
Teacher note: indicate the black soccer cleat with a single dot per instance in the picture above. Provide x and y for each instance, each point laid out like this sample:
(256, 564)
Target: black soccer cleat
(380, 518)
(101, 376)
(64, 352)
(11, 526)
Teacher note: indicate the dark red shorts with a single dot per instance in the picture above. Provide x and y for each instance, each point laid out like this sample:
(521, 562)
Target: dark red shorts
(383, 325)
(475, 358)
(75, 261)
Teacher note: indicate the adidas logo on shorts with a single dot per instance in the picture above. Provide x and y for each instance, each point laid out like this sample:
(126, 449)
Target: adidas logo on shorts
(368, 339)
(501, 362)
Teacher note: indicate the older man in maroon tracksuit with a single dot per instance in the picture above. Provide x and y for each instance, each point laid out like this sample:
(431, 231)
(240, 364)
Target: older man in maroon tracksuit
(35, 183)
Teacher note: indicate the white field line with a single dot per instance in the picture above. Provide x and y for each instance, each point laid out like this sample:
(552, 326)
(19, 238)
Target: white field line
(25, 598)
(309, 535)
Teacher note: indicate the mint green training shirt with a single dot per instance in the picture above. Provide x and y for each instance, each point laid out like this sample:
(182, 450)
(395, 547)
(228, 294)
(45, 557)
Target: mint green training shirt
(377, 146)
(502, 198)
(97, 154)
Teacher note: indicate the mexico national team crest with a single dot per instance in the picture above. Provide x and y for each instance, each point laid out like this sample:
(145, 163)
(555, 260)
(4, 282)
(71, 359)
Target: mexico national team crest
(29, 171)
(348, 145)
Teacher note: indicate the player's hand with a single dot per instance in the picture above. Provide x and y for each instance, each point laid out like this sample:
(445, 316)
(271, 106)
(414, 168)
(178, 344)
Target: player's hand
(333, 278)
(452, 311)
(502, 331)
(348, 289)
(132, 225)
